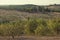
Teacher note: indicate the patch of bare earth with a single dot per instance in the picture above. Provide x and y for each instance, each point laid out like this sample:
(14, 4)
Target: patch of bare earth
(30, 38)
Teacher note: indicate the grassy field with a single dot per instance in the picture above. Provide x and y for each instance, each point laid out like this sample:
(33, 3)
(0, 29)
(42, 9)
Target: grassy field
(14, 15)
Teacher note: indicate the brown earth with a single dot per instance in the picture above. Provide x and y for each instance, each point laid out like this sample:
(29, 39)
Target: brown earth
(30, 38)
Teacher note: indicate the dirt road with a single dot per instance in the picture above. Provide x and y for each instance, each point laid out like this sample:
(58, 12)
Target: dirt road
(30, 38)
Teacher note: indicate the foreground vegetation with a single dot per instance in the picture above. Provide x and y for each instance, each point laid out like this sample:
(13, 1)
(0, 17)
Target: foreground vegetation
(40, 27)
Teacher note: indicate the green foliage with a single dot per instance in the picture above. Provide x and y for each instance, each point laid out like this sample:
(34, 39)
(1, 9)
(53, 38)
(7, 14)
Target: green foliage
(31, 27)
(25, 8)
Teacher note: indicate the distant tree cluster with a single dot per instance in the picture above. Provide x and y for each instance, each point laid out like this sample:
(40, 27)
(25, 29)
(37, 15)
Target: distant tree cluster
(26, 8)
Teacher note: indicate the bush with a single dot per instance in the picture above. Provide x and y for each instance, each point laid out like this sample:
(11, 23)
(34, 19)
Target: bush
(31, 27)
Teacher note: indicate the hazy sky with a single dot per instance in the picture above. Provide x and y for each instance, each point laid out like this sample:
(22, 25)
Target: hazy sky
(37, 2)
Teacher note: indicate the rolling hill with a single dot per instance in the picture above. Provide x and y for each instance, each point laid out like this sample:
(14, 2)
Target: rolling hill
(55, 7)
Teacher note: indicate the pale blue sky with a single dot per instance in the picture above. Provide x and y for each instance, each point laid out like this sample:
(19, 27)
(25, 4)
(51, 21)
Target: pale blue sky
(37, 2)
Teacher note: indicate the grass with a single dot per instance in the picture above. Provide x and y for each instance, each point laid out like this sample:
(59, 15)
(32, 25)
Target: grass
(14, 22)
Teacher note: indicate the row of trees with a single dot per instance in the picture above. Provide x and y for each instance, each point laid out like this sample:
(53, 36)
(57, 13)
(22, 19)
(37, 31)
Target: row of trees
(39, 27)
(26, 8)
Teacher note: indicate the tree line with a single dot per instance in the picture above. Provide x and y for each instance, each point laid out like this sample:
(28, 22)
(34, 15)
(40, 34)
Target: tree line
(26, 8)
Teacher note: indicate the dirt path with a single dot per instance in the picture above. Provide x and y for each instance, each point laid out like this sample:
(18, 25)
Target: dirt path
(30, 38)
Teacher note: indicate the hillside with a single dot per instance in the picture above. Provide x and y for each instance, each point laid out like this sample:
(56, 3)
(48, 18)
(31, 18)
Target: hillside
(11, 15)
(25, 8)
(16, 23)
(55, 7)
(32, 8)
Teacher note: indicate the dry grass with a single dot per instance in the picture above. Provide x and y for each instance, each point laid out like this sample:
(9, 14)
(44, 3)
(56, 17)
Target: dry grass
(13, 14)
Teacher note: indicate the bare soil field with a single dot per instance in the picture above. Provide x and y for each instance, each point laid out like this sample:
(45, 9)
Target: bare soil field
(30, 38)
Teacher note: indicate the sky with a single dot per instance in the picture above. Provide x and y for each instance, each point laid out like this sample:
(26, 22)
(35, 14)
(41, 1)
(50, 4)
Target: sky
(36, 2)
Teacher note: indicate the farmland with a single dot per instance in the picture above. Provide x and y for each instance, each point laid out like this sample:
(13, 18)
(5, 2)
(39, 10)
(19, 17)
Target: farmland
(29, 23)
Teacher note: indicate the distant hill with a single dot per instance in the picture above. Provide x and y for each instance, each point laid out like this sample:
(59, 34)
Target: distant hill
(32, 8)
(55, 7)
(26, 8)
